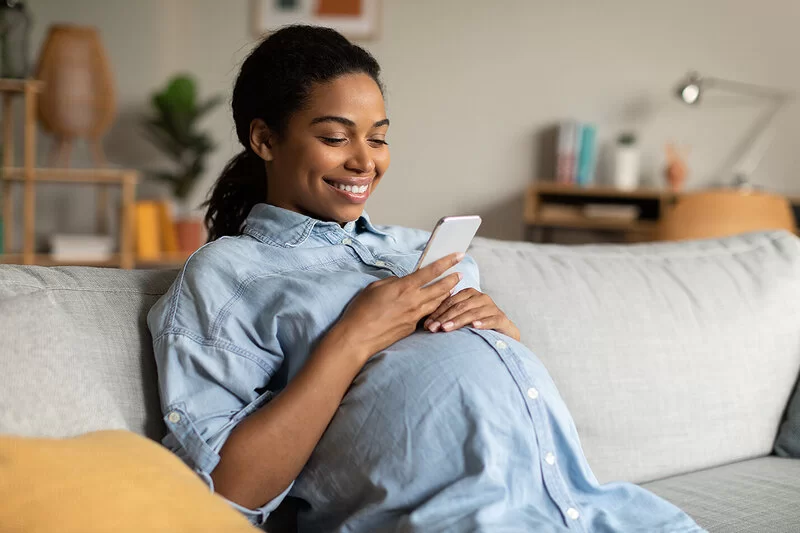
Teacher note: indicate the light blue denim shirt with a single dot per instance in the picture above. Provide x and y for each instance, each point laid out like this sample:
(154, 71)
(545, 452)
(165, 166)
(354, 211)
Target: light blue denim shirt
(452, 432)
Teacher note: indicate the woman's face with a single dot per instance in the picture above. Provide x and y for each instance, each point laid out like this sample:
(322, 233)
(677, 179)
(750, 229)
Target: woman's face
(337, 142)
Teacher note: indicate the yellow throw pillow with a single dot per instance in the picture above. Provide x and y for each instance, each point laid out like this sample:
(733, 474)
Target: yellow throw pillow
(105, 481)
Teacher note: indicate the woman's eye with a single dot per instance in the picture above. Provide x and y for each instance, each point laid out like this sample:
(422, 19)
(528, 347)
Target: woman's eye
(333, 140)
(379, 141)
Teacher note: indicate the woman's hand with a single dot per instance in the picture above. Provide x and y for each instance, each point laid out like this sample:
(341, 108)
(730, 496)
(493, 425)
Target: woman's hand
(390, 309)
(470, 307)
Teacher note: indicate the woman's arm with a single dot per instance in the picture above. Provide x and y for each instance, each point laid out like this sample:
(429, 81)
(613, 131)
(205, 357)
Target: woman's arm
(267, 450)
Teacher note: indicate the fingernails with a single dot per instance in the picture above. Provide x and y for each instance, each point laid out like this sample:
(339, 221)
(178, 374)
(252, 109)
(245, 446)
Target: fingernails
(426, 323)
(477, 323)
(434, 326)
(459, 256)
(460, 276)
(447, 326)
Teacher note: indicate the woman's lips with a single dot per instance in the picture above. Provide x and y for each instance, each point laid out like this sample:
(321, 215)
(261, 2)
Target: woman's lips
(356, 198)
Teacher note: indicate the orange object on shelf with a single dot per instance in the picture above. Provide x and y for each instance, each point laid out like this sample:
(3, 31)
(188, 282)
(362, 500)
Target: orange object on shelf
(191, 234)
(167, 232)
(147, 233)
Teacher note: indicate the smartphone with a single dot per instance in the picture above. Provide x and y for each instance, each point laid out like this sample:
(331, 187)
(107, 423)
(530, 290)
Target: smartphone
(451, 235)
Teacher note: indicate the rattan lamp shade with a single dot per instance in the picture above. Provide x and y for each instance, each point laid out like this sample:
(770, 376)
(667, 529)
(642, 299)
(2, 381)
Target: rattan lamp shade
(78, 98)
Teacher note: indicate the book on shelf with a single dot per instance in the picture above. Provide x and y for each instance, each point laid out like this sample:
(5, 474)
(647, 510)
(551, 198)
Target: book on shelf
(621, 212)
(154, 230)
(76, 248)
(565, 151)
(576, 153)
(558, 212)
(587, 156)
(167, 231)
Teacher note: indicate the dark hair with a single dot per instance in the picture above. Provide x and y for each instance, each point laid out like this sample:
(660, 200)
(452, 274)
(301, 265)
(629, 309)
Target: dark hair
(274, 82)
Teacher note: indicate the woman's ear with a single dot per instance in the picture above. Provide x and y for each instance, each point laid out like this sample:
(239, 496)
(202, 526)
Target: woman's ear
(261, 139)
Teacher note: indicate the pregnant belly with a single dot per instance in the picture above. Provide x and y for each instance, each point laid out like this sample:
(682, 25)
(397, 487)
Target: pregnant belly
(429, 411)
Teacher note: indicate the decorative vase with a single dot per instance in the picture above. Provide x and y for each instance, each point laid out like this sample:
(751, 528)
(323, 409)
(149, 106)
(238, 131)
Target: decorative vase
(191, 233)
(626, 167)
(15, 24)
(78, 99)
(676, 168)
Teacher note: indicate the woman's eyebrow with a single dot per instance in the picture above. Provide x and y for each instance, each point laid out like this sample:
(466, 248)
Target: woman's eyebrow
(346, 121)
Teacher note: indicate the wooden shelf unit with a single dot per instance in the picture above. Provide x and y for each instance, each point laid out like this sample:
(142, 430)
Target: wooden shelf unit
(29, 176)
(651, 202)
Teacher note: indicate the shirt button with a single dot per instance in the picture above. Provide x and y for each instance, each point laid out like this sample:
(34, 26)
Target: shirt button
(533, 393)
(174, 417)
(573, 513)
(380, 263)
(347, 241)
(550, 459)
(501, 345)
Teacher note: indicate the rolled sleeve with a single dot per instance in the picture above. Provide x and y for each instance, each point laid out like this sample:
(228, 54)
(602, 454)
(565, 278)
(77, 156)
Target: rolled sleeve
(256, 516)
(206, 391)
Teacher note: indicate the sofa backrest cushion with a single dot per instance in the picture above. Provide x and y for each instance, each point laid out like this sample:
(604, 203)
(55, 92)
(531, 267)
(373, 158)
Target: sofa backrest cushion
(671, 357)
(75, 352)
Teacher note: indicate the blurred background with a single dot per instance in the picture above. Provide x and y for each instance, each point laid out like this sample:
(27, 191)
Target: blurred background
(478, 93)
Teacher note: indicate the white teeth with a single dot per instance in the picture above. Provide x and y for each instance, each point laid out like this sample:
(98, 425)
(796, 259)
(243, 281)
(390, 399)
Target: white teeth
(353, 188)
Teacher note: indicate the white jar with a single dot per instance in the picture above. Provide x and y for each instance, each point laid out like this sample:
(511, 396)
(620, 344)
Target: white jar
(626, 167)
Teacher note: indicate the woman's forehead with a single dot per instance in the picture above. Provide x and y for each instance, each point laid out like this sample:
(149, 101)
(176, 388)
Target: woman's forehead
(351, 94)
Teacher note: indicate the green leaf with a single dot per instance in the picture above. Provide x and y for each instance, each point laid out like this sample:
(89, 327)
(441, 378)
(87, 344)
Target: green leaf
(181, 93)
(206, 106)
(162, 139)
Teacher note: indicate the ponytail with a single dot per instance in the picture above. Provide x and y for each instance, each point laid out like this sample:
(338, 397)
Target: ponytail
(242, 184)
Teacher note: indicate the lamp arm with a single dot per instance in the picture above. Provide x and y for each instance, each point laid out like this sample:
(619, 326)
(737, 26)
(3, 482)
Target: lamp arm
(745, 88)
(746, 156)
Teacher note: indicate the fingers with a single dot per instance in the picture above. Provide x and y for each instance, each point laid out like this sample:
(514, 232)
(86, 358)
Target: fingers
(456, 310)
(484, 315)
(442, 288)
(432, 271)
(448, 303)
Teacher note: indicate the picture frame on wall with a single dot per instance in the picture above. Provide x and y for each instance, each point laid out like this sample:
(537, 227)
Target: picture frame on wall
(358, 20)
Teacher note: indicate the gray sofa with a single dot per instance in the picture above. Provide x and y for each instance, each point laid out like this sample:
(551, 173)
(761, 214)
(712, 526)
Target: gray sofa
(677, 361)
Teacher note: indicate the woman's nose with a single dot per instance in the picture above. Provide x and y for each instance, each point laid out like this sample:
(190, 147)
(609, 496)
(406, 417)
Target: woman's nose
(360, 160)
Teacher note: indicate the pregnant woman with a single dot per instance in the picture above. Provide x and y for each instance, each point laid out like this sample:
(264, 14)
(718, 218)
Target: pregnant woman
(299, 356)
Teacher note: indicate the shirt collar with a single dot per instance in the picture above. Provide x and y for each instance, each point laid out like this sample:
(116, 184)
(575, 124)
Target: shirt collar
(282, 227)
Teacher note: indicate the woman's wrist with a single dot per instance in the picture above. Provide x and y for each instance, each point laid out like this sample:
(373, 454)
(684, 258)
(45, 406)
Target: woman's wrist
(343, 338)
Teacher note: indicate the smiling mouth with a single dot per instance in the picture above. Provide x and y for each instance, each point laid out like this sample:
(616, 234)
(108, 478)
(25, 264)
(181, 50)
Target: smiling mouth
(353, 192)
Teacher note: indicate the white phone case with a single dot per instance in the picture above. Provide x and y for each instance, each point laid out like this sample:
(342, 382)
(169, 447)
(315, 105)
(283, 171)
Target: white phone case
(451, 235)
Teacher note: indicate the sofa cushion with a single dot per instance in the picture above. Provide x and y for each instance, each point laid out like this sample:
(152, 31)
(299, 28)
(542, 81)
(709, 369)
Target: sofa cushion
(105, 481)
(752, 496)
(671, 357)
(788, 442)
(75, 351)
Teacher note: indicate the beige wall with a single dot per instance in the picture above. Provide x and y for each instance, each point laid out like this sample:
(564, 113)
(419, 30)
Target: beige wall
(471, 85)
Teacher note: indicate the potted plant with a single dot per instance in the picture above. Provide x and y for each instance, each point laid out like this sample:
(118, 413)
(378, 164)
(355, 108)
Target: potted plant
(626, 162)
(173, 129)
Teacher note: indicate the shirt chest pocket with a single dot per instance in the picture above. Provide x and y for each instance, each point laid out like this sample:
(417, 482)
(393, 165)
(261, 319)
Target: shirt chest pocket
(402, 263)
